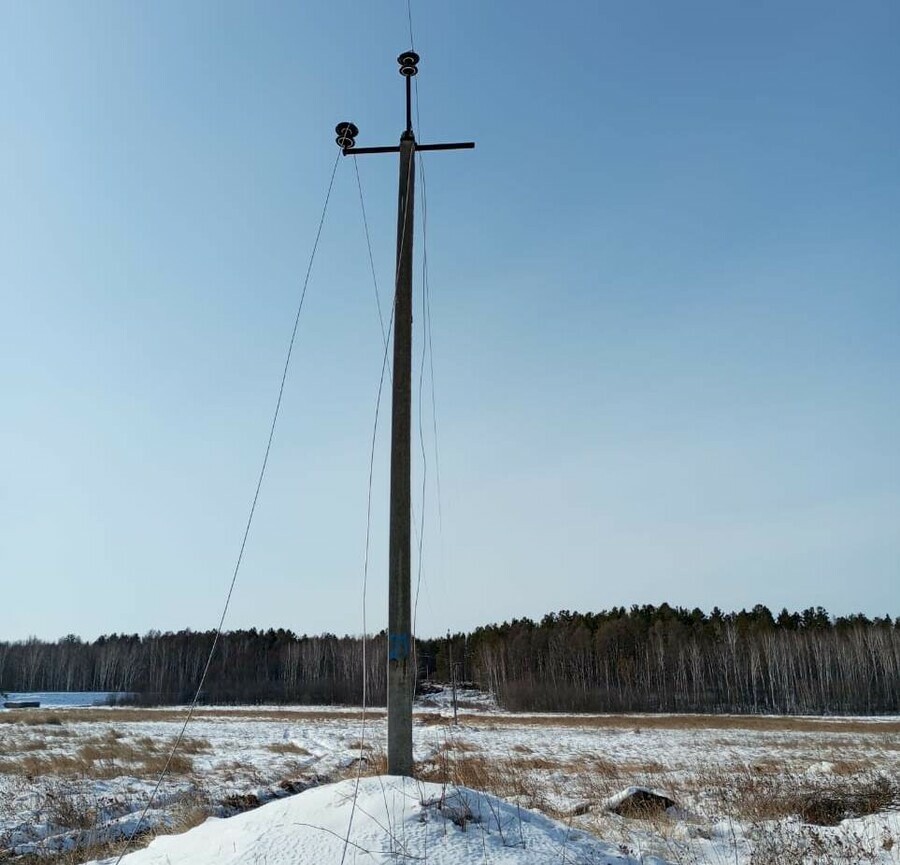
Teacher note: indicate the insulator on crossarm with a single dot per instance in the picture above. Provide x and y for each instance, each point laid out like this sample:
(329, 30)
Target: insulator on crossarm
(346, 134)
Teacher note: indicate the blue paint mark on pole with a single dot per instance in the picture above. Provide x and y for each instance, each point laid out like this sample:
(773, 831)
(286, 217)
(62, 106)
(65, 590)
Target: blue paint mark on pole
(398, 647)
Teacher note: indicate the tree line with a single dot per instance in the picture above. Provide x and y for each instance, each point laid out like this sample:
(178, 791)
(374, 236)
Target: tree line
(647, 658)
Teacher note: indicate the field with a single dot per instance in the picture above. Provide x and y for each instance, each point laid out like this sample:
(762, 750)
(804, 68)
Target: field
(746, 789)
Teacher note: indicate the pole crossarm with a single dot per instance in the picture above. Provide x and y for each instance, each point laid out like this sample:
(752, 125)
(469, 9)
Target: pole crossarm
(401, 662)
(456, 145)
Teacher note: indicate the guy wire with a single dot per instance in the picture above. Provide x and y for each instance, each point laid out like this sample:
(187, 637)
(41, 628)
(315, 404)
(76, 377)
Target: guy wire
(240, 557)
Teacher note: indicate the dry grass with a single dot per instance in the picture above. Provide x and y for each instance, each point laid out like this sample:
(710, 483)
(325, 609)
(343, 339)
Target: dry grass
(76, 813)
(824, 804)
(106, 757)
(595, 766)
(532, 764)
(518, 778)
(194, 745)
(32, 718)
(852, 767)
(373, 762)
(634, 723)
(759, 796)
(287, 748)
(460, 745)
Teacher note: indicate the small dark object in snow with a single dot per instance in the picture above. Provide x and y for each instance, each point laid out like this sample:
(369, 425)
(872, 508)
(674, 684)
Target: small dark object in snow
(22, 704)
(640, 802)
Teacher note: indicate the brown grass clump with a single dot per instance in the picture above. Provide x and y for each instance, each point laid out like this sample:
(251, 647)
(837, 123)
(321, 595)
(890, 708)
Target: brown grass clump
(193, 745)
(237, 803)
(851, 767)
(154, 764)
(459, 745)
(189, 814)
(509, 778)
(860, 798)
(31, 718)
(374, 763)
(595, 766)
(105, 757)
(532, 764)
(287, 748)
(762, 796)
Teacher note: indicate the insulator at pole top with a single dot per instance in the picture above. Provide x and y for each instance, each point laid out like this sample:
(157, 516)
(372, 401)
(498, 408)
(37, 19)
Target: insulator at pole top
(346, 134)
(409, 62)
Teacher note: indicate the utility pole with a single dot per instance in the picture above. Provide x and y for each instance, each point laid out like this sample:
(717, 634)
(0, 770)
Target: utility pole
(400, 675)
(452, 678)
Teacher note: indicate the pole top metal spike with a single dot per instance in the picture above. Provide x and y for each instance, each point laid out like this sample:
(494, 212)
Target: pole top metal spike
(409, 62)
(346, 134)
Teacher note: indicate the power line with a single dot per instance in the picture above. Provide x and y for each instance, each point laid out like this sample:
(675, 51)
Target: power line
(428, 346)
(362, 204)
(412, 41)
(240, 557)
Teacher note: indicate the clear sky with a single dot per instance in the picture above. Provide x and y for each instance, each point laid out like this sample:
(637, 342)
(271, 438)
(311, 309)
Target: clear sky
(665, 295)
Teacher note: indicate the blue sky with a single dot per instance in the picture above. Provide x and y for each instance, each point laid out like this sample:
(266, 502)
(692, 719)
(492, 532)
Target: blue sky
(664, 291)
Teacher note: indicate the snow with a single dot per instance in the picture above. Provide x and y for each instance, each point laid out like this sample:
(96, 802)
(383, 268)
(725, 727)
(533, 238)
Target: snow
(386, 820)
(569, 768)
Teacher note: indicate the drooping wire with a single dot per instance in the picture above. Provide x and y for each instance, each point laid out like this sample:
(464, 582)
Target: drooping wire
(237, 566)
(428, 346)
(362, 205)
(437, 461)
(412, 41)
(421, 538)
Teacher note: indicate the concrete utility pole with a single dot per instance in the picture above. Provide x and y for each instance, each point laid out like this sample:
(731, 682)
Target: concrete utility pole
(452, 678)
(400, 672)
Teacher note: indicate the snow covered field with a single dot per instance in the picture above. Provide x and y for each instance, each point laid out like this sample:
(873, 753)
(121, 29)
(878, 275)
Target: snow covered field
(748, 790)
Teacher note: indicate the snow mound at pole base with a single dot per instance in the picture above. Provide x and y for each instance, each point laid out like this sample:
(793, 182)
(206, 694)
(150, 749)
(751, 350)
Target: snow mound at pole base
(394, 819)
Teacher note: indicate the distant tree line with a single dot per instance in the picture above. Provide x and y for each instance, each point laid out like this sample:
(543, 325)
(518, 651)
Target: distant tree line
(249, 666)
(648, 658)
(669, 659)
